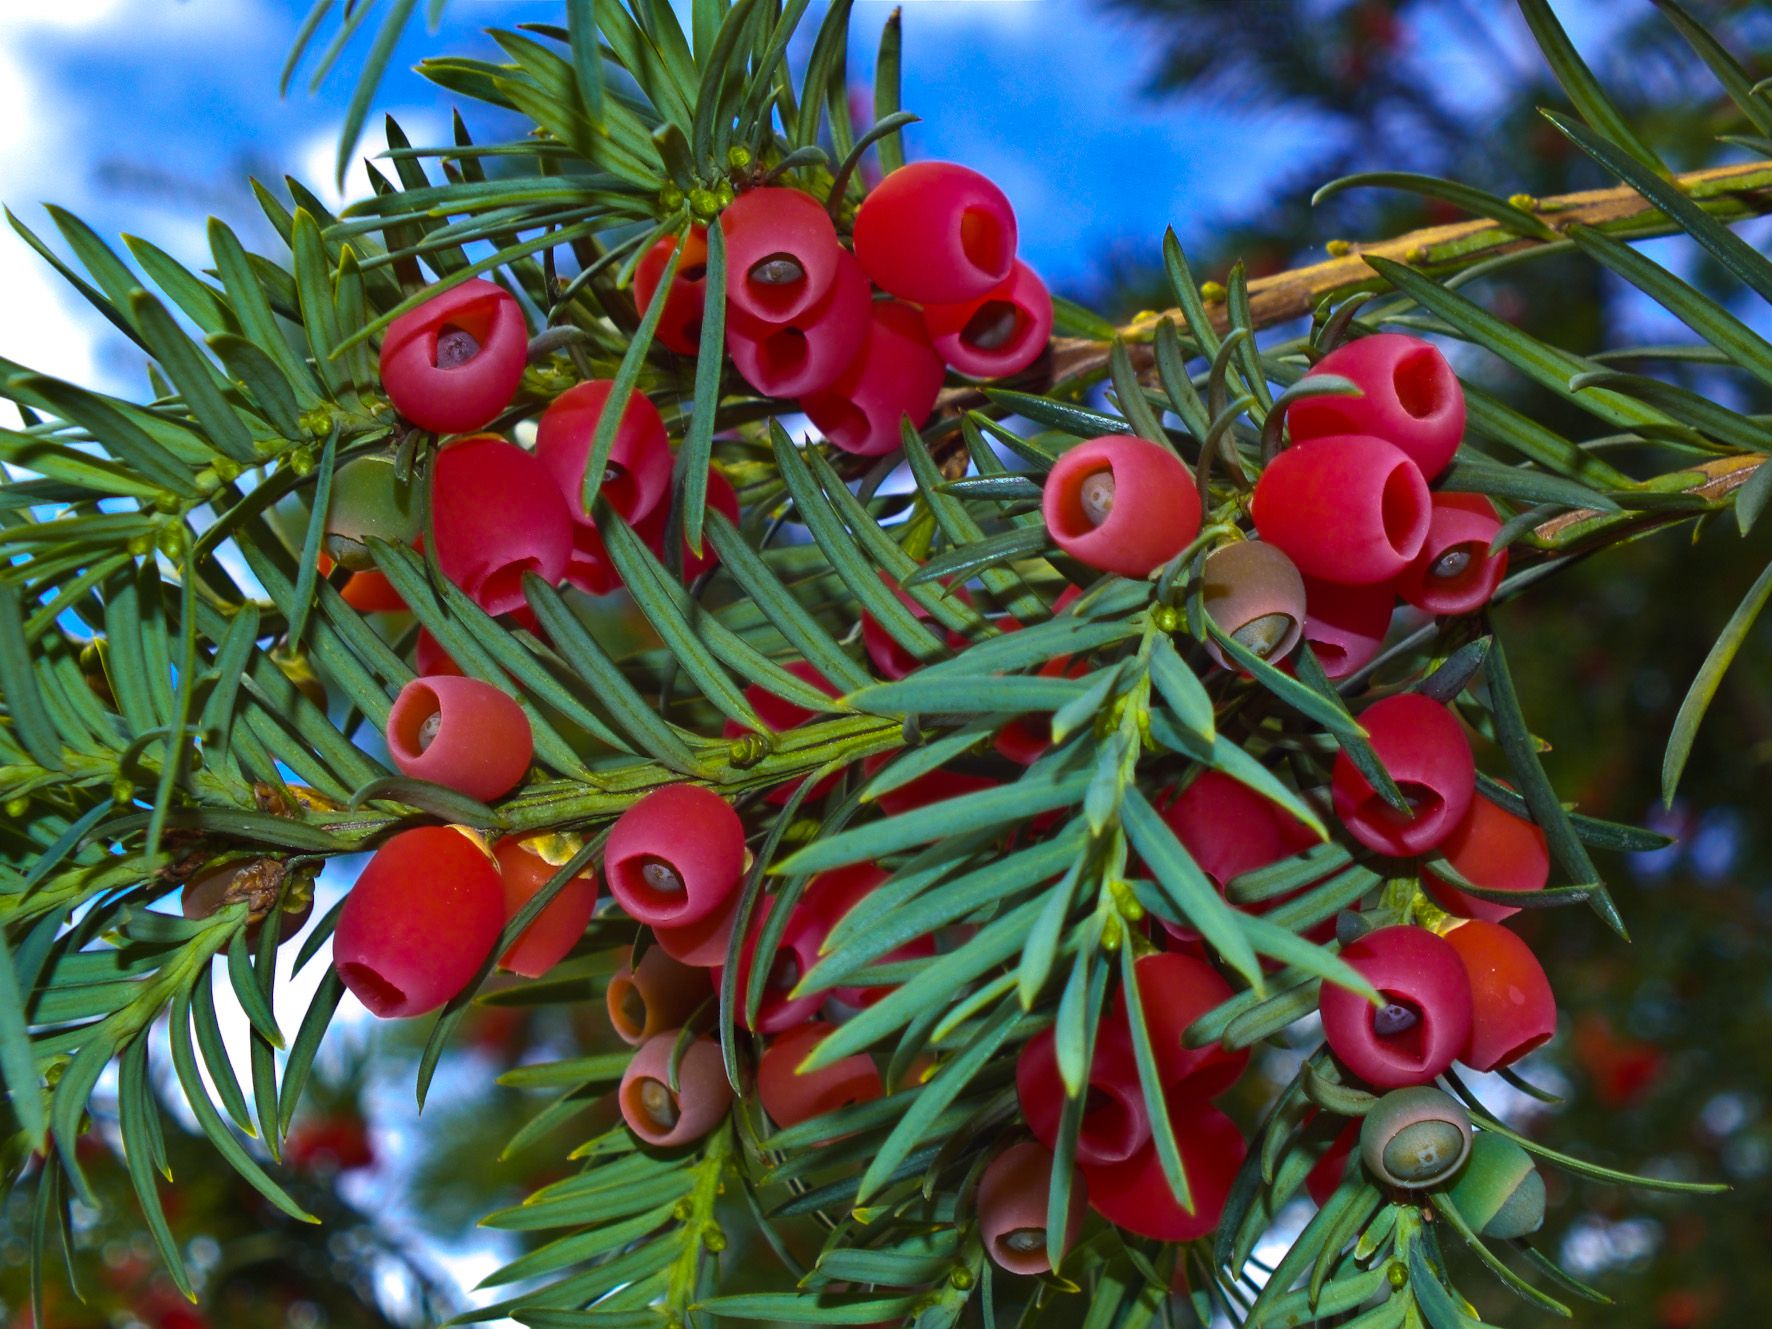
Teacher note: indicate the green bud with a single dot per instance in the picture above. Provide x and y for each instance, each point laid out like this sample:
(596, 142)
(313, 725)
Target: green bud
(1166, 618)
(703, 203)
(17, 807)
(1500, 1193)
(1415, 1138)
(368, 501)
(738, 157)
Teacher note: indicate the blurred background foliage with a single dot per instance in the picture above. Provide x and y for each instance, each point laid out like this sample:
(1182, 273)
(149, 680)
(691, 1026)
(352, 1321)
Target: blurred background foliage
(1664, 1063)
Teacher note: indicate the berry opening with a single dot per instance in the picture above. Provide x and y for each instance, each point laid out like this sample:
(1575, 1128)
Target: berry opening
(661, 882)
(1418, 383)
(994, 325)
(1110, 1128)
(417, 724)
(1023, 1241)
(1330, 654)
(1423, 801)
(627, 1007)
(1087, 503)
(695, 272)
(1400, 1027)
(844, 423)
(1263, 634)
(984, 242)
(778, 270)
(1405, 510)
(783, 353)
(381, 997)
(657, 1105)
(1456, 563)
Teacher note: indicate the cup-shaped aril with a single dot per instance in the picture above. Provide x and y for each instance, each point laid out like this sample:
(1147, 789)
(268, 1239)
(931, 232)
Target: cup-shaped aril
(371, 593)
(1012, 1201)
(1135, 1194)
(936, 233)
(997, 334)
(638, 474)
(781, 253)
(1346, 625)
(937, 786)
(1351, 509)
(1492, 848)
(791, 1096)
(1455, 573)
(419, 922)
(891, 659)
(453, 363)
(811, 351)
(1229, 829)
(1512, 1007)
(895, 374)
(1116, 1126)
(676, 856)
(1421, 744)
(663, 1116)
(1425, 1020)
(679, 323)
(1411, 399)
(1500, 1193)
(657, 994)
(721, 498)
(497, 515)
(461, 733)
(557, 928)
(1122, 504)
(429, 657)
(368, 501)
(1256, 596)
(1174, 990)
(1415, 1138)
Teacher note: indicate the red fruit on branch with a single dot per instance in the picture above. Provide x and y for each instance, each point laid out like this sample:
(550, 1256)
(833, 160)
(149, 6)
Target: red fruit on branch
(679, 323)
(811, 351)
(1013, 1196)
(657, 994)
(1174, 990)
(1256, 596)
(1513, 1008)
(1494, 848)
(333, 1143)
(721, 498)
(1346, 625)
(1421, 744)
(453, 364)
(1326, 1173)
(421, 919)
(1135, 1194)
(891, 659)
(497, 515)
(791, 1096)
(662, 1116)
(1229, 829)
(1350, 508)
(461, 733)
(1115, 1125)
(1425, 1022)
(1455, 573)
(558, 927)
(703, 943)
(896, 374)
(936, 233)
(1121, 504)
(782, 253)
(638, 474)
(676, 856)
(996, 334)
(1412, 399)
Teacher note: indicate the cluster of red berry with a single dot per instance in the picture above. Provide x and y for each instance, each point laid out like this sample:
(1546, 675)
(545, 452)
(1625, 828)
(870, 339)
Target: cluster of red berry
(1344, 523)
(802, 320)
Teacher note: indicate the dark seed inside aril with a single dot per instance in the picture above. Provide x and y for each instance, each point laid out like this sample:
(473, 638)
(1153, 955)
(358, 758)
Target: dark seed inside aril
(455, 347)
(991, 326)
(1393, 1019)
(1096, 496)
(659, 1102)
(777, 270)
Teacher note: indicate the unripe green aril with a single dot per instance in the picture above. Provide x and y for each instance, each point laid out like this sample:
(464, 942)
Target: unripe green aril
(1415, 1138)
(1500, 1193)
(368, 500)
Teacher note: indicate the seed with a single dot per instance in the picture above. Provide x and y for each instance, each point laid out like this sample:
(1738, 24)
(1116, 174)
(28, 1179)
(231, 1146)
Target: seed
(662, 877)
(633, 1007)
(1453, 563)
(659, 1102)
(1097, 497)
(1262, 635)
(1025, 1240)
(777, 270)
(1394, 1019)
(455, 347)
(991, 325)
(427, 732)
